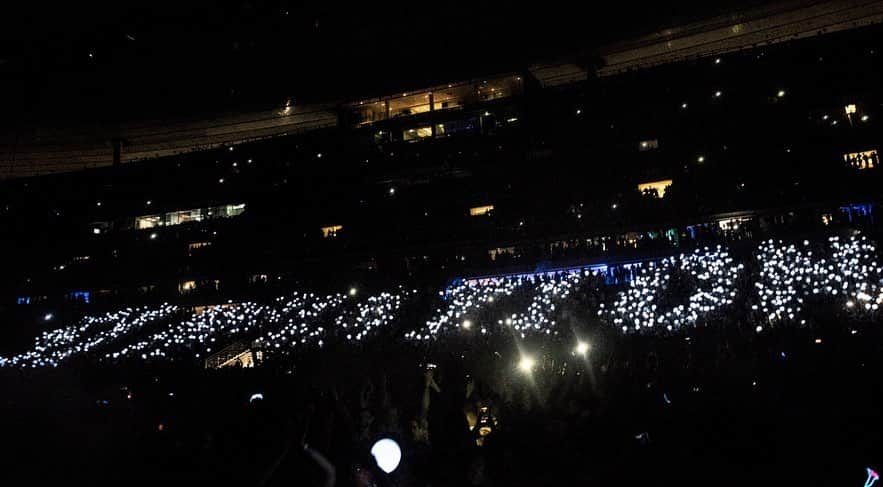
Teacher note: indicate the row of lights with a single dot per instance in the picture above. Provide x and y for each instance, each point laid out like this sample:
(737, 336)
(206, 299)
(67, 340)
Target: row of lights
(788, 274)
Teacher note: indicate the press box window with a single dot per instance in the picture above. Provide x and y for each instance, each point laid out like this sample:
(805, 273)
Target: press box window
(655, 188)
(868, 159)
(417, 133)
(186, 287)
(331, 231)
(148, 221)
(481, 210)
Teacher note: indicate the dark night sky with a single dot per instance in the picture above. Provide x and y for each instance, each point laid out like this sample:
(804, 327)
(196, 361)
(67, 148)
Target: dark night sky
(80, 61)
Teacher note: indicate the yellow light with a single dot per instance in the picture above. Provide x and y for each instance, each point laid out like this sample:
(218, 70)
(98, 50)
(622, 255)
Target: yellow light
(467, 324)
(331, 231)
(481, 210)
(700, 159)
(850, 109)
(353, 291)
(526, 364)
(659, 186)
(781, 93)
(582, 348)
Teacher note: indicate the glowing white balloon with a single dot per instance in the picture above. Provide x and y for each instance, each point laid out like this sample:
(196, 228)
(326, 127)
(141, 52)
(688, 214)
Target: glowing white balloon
(387, 454)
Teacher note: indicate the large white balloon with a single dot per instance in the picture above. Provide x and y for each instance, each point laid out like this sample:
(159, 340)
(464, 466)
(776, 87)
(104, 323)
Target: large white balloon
(387, 454)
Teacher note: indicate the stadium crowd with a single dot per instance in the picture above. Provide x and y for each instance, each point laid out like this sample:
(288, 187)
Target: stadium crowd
(731, 359)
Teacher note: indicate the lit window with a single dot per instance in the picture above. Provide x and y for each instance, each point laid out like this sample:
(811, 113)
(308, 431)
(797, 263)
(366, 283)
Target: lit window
(235, 210)
(331, 231)
(148, 221)
(185, 216)
(850, 109)
(481, 210)
(188, 216)
(656, 188)
(649, 144)
(186, 287)
(258, 278)
(732, 223)
(868, 159)
(417, 133)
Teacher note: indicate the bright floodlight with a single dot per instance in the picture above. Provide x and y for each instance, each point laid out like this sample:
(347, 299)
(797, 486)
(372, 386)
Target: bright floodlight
(526, 364)
(387, 454)
(582, 348)
(467, 324)
(256, 397)
(353, 291)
